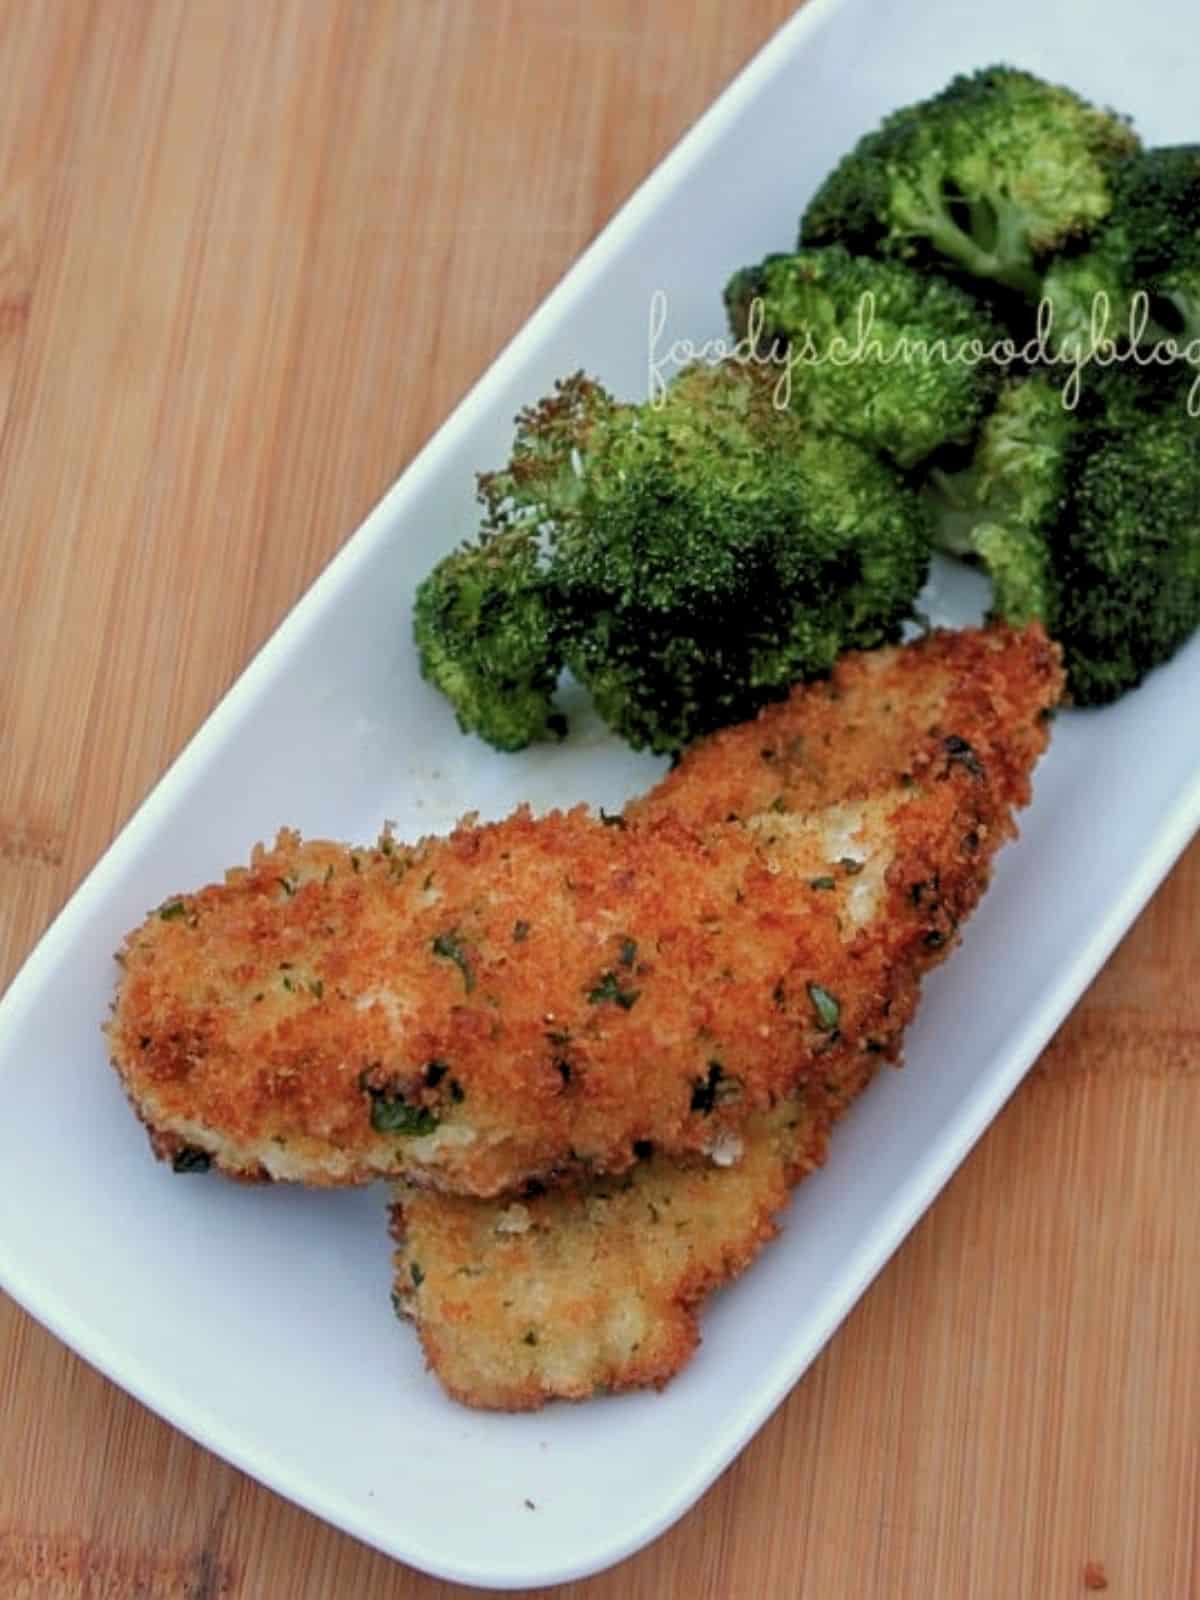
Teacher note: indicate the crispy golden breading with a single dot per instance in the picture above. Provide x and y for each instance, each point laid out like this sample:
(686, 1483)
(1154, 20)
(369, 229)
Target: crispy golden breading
(531, 998)
(595, 1285)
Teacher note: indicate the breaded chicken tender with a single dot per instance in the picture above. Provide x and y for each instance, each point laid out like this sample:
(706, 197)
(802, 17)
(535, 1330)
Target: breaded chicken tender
(537, 998)
(509, 1003)
(595, 1286)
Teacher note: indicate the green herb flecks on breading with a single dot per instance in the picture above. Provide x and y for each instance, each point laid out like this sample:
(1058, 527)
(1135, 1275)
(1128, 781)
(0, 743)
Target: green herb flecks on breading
(609, 990)
(449, 947)
(707, 1090)
(392, 1113)
(191, 1159)
(826, 1007)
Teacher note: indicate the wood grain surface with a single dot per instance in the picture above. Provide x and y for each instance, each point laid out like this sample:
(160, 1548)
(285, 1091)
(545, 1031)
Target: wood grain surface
(251, 252)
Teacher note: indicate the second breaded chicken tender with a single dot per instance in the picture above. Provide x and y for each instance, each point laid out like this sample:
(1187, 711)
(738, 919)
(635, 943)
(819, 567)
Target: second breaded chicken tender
(534, 998)
(595, 1286)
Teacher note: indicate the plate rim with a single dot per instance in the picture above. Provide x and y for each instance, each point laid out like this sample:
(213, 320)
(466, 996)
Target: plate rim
(924, 1182)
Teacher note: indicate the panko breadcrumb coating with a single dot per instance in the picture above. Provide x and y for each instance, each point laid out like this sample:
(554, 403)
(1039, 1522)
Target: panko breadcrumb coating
(535, 998)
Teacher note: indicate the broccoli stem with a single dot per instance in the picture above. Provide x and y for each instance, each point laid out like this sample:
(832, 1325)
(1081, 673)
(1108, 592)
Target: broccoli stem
(956, 510)
(998, 253)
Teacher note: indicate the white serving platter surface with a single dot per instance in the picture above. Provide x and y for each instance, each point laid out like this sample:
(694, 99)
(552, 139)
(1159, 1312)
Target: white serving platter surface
(259, 1321)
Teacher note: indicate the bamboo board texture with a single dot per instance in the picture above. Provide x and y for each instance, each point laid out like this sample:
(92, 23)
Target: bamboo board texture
(250, 255)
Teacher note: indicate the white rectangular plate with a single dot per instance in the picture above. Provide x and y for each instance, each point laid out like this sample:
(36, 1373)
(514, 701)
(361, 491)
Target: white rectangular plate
(258, 1321)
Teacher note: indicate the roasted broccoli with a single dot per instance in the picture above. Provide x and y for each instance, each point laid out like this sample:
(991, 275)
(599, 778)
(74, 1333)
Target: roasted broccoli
(689, 560)
(1087, 519)
(488, 638)
(986, 178)
(895, 358)
(1127, 564)
(1149, 243)
(1002, 505)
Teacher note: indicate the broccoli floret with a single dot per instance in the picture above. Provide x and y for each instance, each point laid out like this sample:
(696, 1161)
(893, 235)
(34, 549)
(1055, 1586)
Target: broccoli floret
(986, 178)
(887, 355)
(725, 558)
(719, 551)
(699, 555)
(1086, 519)
(1072, 288)
(1127, 564)
(1018, 562)
(487, 635)
(1149, 243)
(544, 474)
(1001, 506)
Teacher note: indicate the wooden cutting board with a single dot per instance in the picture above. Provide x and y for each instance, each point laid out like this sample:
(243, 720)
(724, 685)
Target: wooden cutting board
(251, 252)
